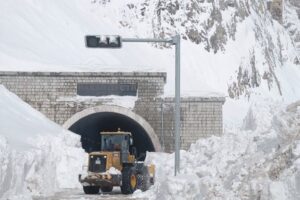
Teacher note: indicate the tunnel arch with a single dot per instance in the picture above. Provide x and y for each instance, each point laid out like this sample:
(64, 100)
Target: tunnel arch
(89, 122)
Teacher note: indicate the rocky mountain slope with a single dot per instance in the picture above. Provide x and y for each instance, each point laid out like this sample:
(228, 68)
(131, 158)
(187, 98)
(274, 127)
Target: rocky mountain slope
(213, 24)
(245, 49)
(291, 22)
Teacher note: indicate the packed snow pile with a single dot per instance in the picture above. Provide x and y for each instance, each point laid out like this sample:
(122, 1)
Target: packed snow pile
(262, 163)
(123, 101)
(113, 170)
(37, 156)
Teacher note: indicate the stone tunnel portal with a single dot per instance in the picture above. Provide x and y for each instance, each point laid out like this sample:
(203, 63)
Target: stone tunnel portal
(90, 125)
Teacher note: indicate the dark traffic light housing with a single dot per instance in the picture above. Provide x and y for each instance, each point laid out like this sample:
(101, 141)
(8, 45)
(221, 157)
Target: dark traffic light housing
(103, 41)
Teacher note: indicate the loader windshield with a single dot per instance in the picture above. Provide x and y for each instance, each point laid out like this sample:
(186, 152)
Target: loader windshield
(112, 142)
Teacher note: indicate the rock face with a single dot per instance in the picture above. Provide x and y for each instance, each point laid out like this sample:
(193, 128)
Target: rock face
(213, 24)
(295, 3)
(275, 7)
(246, 79)
(291, 22)
(199, 21)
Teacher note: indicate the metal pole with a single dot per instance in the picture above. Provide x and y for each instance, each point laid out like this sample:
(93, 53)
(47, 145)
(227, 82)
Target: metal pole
(176, 41)
(162, 125)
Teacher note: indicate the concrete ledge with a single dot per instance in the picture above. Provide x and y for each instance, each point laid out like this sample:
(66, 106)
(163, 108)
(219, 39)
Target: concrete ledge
(86, 74)
(196, 99)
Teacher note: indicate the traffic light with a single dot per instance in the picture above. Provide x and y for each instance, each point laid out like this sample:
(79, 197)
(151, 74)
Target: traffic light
(103, 41)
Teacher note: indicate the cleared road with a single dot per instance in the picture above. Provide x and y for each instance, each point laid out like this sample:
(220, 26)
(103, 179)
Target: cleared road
(78, 194)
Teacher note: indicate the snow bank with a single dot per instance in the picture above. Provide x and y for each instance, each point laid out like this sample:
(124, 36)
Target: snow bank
(113, 170)
(262, 163)
(123, 101)
(37, 156)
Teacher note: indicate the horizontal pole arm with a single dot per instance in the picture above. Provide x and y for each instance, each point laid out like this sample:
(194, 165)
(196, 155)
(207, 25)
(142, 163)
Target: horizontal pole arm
(146, 40)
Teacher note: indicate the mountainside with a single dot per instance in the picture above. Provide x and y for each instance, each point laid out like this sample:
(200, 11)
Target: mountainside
(213, 24)
(291, 22)
(245, 49)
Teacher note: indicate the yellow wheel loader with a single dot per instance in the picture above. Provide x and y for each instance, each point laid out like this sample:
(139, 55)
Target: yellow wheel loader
(115, 166)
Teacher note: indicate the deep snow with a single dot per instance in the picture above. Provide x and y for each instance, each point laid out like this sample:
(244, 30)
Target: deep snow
(37, 156)
(123, 101)
(262, 163)
(261, 160)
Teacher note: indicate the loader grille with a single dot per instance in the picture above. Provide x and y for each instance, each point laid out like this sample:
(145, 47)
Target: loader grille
(97, 164)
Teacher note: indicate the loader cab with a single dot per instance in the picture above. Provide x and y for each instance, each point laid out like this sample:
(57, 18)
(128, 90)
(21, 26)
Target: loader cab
(115, 141)
(121, 142)
(97, 162)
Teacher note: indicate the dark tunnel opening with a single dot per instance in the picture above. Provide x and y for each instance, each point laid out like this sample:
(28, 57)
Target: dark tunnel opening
(90, 127)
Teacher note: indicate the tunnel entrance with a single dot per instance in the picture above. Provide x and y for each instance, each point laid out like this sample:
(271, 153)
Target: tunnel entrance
(89, 123)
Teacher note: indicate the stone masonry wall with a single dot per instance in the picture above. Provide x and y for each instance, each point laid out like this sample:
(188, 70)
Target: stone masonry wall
(200, 117)
(49, 92)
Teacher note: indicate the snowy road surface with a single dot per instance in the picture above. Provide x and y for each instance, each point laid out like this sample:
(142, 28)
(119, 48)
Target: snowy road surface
(78, 194)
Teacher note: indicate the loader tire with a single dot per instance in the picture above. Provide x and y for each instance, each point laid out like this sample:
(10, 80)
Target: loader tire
(129, 180)
(91, 189)
(106, 188)
(143, 182)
